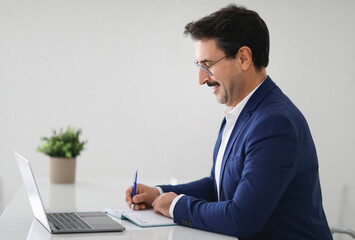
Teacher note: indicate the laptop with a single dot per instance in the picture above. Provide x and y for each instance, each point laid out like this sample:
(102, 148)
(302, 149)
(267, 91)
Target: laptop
(63, 222)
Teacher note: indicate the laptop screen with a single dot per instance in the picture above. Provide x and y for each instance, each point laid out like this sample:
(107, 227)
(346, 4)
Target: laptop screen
(32, 190)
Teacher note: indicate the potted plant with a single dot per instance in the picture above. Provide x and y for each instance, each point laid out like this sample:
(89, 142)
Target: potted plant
(62, 148)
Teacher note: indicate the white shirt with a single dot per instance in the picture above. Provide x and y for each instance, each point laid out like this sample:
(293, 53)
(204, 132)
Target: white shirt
(231, 115)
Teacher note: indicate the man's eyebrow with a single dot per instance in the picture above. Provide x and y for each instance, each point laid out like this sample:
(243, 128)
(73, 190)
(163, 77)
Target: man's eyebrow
(204, 61)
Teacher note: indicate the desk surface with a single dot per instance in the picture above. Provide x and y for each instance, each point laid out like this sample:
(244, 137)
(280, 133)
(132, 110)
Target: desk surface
(17, 221)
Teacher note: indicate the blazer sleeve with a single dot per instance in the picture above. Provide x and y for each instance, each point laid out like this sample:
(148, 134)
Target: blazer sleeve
(202, 189)
(270, 161)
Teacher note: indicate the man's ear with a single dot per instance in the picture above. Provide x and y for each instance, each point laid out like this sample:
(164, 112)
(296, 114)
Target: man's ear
(245, 57)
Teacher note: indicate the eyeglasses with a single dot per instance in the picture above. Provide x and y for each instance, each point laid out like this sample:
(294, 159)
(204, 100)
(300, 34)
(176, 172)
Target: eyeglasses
(205, 67)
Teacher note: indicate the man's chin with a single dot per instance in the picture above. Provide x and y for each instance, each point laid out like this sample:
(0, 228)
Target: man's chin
(220, 100)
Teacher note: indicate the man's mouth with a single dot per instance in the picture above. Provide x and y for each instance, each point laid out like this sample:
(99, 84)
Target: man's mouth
(214, 86)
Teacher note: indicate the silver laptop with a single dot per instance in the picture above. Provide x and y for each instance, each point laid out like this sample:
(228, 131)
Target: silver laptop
(63, 222)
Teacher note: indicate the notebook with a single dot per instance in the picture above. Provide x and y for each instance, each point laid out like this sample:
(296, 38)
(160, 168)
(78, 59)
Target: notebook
(67, 222)
(142, 218)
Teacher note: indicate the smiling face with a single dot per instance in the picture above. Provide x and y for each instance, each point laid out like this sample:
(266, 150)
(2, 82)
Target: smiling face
(227, 82)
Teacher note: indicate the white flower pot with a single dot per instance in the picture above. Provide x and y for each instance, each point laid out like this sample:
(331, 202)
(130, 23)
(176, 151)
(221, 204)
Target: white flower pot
(62, 170)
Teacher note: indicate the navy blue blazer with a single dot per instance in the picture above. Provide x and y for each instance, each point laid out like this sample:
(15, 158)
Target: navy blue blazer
(269, 183)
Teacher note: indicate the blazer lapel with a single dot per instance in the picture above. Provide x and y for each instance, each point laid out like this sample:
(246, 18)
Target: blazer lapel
(242, 119)
(248, 110)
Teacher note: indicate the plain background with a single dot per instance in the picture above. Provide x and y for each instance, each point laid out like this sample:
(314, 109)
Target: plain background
(124, 73)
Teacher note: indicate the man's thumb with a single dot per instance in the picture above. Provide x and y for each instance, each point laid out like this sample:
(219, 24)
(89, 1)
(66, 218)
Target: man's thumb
(138, 198)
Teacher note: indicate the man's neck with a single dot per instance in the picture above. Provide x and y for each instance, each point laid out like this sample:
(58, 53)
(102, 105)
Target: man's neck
(253, 80)
(256, 78)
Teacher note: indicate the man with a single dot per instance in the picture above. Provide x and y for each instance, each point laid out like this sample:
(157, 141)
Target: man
(264, 182)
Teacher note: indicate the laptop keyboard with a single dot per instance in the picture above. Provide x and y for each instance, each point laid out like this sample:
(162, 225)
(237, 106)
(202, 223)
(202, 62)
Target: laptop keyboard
(68, 221)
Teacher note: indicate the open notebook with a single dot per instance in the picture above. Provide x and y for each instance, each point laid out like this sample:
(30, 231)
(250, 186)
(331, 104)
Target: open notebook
(142, 218)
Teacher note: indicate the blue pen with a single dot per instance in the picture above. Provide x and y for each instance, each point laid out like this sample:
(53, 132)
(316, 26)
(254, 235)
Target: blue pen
(134, 188)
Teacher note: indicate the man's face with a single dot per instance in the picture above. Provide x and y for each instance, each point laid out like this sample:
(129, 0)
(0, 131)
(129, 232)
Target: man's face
(227, 81)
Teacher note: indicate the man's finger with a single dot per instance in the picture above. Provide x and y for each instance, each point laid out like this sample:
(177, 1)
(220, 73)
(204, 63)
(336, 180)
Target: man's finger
(139, 198)
(140, 206)
(129, 195)
(154, 205)
(129, 191)
(154, 202)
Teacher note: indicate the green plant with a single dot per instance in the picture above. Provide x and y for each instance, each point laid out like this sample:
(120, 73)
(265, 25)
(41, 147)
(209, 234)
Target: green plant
(64, 144)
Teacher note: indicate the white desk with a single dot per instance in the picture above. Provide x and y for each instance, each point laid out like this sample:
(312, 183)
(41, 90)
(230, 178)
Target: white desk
(17, 221)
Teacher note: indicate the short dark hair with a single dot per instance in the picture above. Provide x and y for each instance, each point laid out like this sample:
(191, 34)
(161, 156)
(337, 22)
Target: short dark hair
(233, 27)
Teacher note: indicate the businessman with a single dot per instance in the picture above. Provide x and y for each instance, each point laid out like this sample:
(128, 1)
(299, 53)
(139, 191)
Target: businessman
(264, 181)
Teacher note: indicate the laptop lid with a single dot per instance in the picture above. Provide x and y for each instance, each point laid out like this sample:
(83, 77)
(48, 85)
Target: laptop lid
(98, 221)
(32, 190)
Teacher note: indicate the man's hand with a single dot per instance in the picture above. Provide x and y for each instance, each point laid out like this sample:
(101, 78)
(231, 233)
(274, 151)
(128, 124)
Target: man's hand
(162, 203)
(144, 197)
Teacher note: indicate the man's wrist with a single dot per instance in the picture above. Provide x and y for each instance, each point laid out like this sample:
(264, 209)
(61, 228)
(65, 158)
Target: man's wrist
(160, 190)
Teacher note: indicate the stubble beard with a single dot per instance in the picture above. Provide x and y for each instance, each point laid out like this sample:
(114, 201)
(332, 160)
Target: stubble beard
(230, 95)
(222, 99)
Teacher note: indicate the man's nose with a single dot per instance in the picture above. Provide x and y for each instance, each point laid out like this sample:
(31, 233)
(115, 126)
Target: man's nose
(203, 76)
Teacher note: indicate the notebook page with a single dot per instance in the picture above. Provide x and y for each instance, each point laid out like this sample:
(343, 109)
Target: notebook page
(142, 218)
(148, 218)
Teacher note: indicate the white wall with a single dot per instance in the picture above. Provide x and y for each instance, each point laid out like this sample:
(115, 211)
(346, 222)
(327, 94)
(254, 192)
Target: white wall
(124, 73)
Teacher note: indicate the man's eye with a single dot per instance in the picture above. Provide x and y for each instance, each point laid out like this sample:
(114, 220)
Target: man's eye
(206, 64)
